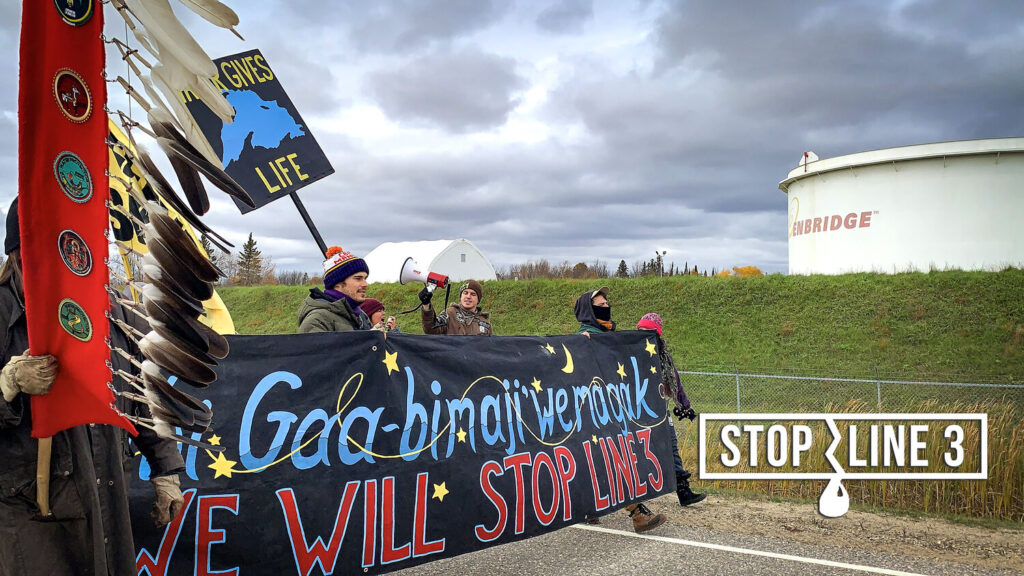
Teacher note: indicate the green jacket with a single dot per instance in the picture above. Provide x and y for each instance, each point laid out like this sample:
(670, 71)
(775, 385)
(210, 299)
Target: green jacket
(320, 314)
(584, 327)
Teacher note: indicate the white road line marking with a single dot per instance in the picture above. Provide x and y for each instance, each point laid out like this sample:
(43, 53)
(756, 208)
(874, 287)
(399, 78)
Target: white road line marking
(859, 567)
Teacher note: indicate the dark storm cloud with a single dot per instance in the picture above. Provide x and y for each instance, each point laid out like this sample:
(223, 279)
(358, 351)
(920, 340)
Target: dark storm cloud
(460, 91)
(566, 16)
(664, 125)
(932, 64)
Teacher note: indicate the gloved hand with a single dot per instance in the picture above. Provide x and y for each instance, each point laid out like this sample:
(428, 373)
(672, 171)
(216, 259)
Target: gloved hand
(169, 499)
(425, 296)
(28, 374)
(687, 413)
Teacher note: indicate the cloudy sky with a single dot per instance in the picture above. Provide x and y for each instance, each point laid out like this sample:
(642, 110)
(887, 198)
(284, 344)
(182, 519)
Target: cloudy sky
(583, 129)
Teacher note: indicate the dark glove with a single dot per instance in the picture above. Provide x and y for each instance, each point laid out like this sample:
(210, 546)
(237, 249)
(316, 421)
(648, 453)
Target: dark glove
(425, 296)
(688, 413)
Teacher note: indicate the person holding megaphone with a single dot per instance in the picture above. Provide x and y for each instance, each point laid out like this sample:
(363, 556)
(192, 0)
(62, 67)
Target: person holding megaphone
(464, 318)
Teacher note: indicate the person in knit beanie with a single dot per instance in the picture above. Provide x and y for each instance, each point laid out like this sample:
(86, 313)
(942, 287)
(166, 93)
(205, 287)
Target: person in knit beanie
(464, 318)
(374, 310)
(671, 386)
(337, 307)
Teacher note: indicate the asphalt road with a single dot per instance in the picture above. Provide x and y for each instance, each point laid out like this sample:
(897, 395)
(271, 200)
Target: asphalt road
(612, 548)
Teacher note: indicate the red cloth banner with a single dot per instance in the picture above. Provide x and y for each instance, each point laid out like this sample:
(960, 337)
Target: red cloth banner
(62, 158)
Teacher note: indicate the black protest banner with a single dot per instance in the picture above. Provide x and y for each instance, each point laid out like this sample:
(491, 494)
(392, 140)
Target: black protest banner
(267, 149)
(352, 453)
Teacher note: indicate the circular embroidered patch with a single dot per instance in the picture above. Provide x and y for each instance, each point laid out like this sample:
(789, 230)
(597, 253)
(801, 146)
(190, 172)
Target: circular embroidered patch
(74, 320)
(72, 94)
(75, 253)
(74, 12)
(73, 177)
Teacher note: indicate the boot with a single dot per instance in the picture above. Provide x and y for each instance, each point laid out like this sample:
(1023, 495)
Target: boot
(643, 518)
(687, 496)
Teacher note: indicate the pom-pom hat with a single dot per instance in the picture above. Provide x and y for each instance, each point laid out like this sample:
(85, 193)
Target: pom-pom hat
(650, 321)
(340, 265)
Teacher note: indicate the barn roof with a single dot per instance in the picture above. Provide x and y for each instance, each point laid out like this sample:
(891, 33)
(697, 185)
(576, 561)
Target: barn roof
(385, 261)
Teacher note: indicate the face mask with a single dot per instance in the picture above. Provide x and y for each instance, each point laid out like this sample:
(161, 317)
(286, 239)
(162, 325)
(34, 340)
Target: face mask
(603, 313)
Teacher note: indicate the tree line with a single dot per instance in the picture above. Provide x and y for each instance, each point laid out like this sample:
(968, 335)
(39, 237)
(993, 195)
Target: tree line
(250, 267)
(531, 270)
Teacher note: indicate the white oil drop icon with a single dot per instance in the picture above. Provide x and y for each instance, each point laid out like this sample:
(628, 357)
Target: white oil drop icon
(834, 501)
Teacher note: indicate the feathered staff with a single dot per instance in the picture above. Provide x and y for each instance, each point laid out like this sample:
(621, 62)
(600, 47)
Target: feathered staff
(177, 276)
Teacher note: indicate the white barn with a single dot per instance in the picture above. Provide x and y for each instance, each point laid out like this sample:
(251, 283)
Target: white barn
(458, 259)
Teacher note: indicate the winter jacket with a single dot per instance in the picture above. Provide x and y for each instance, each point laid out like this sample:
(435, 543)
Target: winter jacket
(456, 321)
(584, 310)
(90, 532)
(322, 313)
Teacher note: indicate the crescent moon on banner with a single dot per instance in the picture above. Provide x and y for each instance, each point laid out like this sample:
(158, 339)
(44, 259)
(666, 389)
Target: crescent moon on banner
(568, 361)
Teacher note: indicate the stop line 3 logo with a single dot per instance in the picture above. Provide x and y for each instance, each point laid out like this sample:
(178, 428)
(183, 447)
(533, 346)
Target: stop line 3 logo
(838, 447)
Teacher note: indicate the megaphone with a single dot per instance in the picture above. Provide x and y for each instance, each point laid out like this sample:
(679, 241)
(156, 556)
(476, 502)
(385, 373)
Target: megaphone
(411, 273)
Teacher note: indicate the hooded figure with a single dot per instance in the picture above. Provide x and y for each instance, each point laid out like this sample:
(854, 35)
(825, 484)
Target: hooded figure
(595, 316)
(594, 312)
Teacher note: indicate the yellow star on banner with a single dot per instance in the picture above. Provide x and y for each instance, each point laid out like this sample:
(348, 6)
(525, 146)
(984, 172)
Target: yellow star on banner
(535, 384)
(440, 491)
(654, 370)
(215, 440)
(461, 435)
(650, 348)
(391, 361)
(550, 349)
(621, 371)
(594, 438)
(222, 466)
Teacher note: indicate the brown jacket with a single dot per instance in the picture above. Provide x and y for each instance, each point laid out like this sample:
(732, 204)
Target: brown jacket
(456, 321)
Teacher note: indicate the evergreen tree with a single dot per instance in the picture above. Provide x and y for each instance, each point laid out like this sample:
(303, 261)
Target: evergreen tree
(250, 264)
(622, 272)
(207, 246)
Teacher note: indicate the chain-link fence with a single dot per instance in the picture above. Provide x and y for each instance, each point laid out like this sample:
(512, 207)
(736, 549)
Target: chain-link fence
(758, 393)
(1000, 495)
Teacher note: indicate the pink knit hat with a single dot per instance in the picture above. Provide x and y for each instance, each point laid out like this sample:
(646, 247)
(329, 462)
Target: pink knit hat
(650, 321)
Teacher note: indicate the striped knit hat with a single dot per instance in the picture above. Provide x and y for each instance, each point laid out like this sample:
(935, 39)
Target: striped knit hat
(340, 265)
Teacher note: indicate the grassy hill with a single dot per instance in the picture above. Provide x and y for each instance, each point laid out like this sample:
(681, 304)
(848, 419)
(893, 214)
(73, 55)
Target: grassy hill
(938, 324)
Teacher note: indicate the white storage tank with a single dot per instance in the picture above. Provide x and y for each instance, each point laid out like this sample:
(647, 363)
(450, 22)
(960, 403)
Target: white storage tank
(929, 206)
